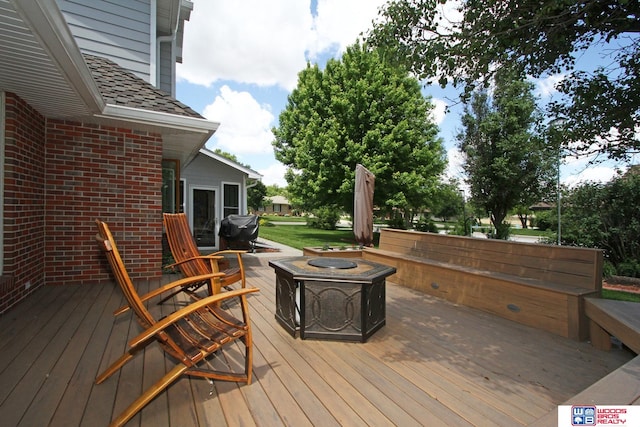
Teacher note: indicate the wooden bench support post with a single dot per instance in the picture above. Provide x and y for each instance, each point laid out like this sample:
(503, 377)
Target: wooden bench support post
(600, 338)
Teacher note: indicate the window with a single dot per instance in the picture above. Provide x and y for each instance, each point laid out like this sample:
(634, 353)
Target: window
(171, 199)
(231, 204)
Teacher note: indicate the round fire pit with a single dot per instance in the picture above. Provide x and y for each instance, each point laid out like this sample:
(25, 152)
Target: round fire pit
(339, 263)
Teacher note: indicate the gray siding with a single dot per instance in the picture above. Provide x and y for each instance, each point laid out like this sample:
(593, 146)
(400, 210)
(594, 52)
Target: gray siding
(165, 82)
(208, 172)
(115, 29)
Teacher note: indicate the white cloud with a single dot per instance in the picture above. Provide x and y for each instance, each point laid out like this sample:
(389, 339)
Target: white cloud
(266, 42)
(454, 166)
(596, 174)
(340, 22)
(245, 125)
(253, 41)
(439, 111)
(547, 87)
(274, 174)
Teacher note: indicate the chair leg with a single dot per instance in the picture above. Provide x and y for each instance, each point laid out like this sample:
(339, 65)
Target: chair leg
(148, 395)
(114, 367)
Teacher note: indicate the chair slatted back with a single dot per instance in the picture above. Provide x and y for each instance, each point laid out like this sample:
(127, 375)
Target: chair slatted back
(107, 244)
(182, 244)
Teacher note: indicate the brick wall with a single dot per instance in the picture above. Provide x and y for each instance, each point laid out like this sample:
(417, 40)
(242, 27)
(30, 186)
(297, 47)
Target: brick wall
(24, 204)
(59, 177)
(100, 172)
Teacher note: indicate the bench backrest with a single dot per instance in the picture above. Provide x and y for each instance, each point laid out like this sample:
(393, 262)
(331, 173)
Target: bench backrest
(571, 266)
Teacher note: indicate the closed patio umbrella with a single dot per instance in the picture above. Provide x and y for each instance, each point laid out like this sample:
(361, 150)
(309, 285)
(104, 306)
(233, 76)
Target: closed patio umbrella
(363, 206)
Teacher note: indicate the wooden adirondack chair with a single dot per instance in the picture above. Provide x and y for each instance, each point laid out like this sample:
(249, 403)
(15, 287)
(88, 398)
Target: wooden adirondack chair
(190, 334)
(187, 256)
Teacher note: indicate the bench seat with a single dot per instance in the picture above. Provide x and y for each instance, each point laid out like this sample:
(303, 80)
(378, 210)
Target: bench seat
(620, 319)
(620, 387)
(537, 285)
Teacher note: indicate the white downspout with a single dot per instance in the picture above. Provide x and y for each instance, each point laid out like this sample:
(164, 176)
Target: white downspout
(171, 38)
(153, 48)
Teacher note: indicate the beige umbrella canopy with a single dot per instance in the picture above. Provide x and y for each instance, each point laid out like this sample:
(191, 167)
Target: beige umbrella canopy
(363, 206)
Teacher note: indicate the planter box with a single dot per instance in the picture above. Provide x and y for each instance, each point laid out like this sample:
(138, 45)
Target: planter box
(332, 253)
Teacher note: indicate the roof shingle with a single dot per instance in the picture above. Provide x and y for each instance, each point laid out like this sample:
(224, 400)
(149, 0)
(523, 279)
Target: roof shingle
(121, 87)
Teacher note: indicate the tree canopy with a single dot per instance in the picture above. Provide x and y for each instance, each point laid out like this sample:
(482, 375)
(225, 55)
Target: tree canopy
(606, 216)
(358, 110)
(256, 195)
(505, 161)
(466, 43)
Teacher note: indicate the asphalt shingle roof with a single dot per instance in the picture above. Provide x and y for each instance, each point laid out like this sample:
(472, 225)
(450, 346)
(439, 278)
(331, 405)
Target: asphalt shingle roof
(121, 87)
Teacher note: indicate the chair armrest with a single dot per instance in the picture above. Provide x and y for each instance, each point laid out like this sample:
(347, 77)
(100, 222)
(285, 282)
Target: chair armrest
(238, 254)
(206, 257)
(183, 312)
(168, 287)
(229, 251)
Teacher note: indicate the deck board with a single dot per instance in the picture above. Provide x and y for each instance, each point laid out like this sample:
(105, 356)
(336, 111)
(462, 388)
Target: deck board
(434, 363)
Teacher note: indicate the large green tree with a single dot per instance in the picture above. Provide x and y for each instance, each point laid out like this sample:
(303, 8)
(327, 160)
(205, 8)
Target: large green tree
(505, 161)
(606, 216)
(358, 110)
(466, 43)
(256, 195)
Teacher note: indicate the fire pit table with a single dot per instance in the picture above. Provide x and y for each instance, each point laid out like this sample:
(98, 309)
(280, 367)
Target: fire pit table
(330, 298)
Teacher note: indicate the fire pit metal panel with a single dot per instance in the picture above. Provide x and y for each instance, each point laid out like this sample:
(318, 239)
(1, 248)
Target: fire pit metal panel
(338, 304)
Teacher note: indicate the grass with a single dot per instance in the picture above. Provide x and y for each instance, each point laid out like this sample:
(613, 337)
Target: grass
(299, 237)
(530, 232)
(278, 218)
(620, 295)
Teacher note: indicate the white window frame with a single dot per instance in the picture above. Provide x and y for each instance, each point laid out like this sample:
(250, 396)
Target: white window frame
(240, 198)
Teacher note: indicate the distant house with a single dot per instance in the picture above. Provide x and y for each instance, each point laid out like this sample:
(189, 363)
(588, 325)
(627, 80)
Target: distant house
(89, 128)
(277, 205)
(213, 187)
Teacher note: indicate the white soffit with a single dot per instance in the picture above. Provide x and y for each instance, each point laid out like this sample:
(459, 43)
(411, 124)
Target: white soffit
(40, 62)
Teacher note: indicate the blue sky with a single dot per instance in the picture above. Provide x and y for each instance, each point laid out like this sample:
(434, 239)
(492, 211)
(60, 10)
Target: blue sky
(241, 60)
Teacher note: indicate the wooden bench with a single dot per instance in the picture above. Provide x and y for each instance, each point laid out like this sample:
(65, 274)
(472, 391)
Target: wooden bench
(620, 387)
(537, 285)
(620, 319)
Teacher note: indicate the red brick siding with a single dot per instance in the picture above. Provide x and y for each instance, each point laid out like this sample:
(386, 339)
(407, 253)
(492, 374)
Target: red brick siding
(59, 177)
(102, 172)
(24, 201)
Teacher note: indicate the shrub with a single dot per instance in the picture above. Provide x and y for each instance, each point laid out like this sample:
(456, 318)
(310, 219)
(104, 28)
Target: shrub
(325, 218)
(546, 220)
(608, 269)
(397, 222)
(426, 225)
(629, 268)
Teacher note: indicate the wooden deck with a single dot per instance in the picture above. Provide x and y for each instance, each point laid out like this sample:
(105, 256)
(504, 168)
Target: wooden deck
(434, 363)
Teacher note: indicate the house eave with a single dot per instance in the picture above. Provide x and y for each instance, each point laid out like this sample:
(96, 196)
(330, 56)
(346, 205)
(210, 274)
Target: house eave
(158, 119)
(183, 136)
(49, 27)
(251, 174)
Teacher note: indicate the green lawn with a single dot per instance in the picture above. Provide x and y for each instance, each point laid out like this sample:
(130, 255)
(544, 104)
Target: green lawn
(278, 218)
(301, 236)
(620, 296)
